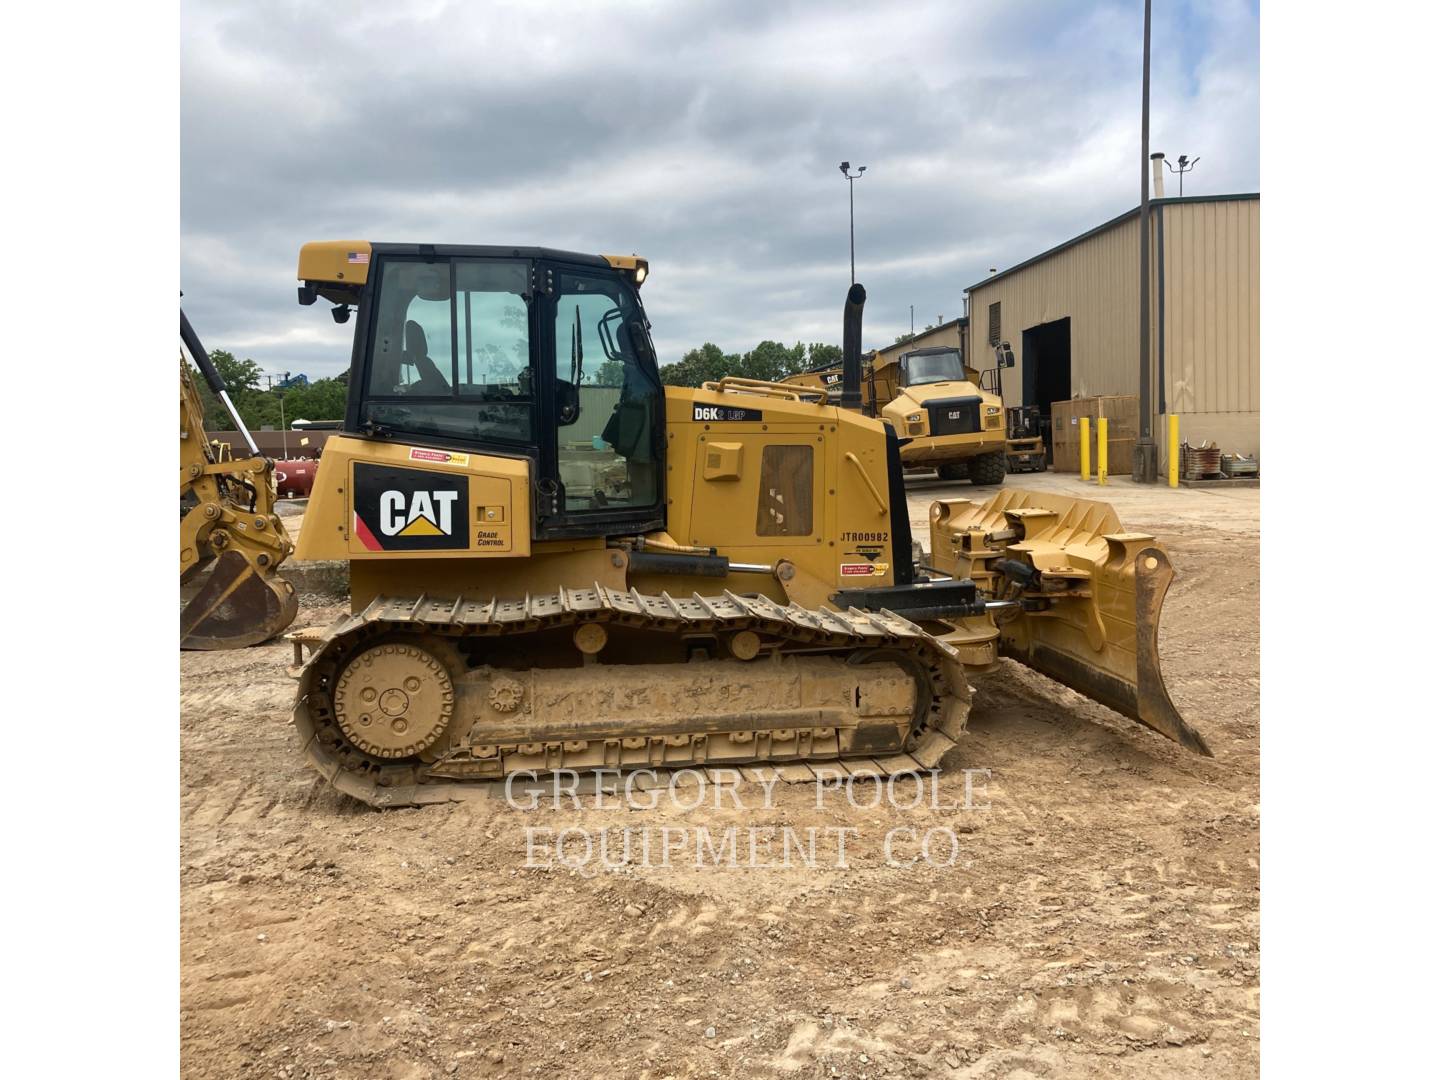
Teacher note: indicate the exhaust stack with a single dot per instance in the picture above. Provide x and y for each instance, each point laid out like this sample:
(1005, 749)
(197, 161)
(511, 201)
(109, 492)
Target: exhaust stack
(1157, 164)
(850, 349)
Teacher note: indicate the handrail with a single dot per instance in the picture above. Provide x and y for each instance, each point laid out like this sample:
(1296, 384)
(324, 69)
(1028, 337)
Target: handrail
(870, 484)
(737, 385)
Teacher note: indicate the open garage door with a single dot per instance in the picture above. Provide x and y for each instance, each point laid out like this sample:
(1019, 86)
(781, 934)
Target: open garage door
(1045, 367)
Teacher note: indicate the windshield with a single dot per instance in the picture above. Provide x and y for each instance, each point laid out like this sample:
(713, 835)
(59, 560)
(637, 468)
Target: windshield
(450, 352)
(918, 369)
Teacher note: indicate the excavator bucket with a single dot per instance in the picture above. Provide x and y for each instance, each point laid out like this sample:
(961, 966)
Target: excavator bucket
(231, 539)
(236, 605)
(1081, 596)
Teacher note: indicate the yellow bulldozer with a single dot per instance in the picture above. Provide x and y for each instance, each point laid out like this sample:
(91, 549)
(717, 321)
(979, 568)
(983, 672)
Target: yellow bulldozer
(556, 562)
(231, 540)
(945, 419)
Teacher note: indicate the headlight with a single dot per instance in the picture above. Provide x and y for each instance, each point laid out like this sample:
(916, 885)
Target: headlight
(913, 418)
(641, 273)
(991, 410)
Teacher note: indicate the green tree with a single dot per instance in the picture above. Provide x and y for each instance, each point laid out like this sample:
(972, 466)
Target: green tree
(242, 377)
(818, 355)
(771, 361)
(609, 373)
(704, 364)
(323, 399)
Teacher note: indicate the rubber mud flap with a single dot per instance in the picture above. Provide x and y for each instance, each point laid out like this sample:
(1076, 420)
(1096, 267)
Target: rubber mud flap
(237, 606)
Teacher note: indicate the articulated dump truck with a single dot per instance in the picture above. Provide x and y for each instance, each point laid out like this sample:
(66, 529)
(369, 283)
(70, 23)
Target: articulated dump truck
(944, 419)
(558, 563)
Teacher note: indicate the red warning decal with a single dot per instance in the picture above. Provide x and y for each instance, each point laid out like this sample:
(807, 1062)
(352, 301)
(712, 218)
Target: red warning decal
(443, 457)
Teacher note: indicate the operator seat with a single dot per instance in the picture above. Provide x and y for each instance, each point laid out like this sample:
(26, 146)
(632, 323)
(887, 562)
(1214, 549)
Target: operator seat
(418, 356)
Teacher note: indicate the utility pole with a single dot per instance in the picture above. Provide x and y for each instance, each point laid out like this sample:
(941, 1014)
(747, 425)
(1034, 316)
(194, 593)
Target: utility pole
(845, 171)
(912, 320)
(284, 431)
(1143, 469)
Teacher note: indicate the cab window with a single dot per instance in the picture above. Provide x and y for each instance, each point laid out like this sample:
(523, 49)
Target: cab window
(450, 353)
(607, 405)
(920, 368)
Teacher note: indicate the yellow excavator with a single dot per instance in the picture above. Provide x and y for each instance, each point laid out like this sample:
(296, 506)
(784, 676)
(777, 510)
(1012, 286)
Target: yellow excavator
(557, 562)
(231, 540)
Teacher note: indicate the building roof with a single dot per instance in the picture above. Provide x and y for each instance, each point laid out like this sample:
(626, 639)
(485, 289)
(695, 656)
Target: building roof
(909, 343)
(1098, 229)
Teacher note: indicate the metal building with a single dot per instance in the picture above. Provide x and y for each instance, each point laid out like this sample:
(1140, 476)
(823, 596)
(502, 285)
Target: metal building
(952, 334)
(1072, 317)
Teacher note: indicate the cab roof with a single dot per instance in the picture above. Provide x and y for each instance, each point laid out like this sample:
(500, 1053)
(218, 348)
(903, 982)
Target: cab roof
(338, 269)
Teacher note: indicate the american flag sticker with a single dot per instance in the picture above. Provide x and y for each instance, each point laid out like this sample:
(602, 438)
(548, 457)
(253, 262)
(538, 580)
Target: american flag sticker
(358, 257)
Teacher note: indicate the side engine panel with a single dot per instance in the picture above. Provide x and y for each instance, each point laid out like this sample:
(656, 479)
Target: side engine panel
(388, 500)
(765, 478)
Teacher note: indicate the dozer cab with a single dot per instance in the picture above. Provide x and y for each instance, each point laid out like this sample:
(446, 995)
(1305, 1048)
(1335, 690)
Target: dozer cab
(231, 540)
(558, 563)
(944, 418)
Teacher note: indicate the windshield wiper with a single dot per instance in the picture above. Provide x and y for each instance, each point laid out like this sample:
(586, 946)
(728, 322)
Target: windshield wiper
(577, 351)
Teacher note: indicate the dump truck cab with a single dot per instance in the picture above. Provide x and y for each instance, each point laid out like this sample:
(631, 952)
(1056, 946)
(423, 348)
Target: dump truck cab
(935, 402)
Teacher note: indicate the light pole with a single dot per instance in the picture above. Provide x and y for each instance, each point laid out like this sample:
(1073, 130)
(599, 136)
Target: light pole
(1185, 165)
(845, 170)
(1144, 463)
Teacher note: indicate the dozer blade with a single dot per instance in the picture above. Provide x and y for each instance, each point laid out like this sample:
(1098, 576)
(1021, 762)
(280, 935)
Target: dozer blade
(237, 605)
(1089, 596)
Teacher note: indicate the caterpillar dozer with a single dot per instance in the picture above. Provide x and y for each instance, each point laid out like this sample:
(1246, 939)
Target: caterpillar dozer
(558, 563)
(944, 418)
(231, 540)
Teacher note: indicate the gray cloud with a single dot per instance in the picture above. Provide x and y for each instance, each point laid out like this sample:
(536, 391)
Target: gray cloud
(703, 135)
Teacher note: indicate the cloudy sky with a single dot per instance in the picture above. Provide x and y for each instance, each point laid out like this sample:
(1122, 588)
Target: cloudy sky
(704, 135)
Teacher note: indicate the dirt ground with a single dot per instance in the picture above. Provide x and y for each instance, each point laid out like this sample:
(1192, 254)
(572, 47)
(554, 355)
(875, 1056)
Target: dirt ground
(1100, 916)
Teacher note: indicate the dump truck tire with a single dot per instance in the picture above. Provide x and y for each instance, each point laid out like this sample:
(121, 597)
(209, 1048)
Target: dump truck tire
(953, 470)
(988, 469)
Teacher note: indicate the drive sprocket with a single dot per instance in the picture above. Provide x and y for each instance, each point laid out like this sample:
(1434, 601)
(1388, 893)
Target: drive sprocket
(394, 700)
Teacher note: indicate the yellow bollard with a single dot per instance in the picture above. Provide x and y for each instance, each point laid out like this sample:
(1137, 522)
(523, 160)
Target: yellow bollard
(1102, 450)
(1084, 448)
(1174, 450)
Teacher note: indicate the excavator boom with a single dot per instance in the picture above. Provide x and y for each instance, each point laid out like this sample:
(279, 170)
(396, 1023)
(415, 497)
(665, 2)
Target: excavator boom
(231, 540)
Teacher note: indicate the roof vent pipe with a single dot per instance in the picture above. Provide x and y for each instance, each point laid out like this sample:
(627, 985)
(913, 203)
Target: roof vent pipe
(850, 350)
(1157, 162)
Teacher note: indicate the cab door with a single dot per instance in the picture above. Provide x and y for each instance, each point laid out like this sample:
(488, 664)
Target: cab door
(602, 450)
